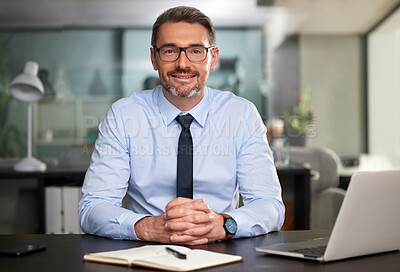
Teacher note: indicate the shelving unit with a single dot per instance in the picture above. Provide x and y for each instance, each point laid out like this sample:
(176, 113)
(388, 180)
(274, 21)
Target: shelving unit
(63, 123)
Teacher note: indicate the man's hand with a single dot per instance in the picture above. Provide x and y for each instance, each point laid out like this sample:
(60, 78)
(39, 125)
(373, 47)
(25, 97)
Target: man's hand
(185, 221)
(193, 221)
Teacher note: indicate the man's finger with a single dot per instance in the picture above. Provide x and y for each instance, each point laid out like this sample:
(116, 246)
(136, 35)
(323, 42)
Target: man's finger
(185, 207)
(183, 238)
(177, 201)
(196, 204)
(187, 214)
(195, 218)
(188, 240)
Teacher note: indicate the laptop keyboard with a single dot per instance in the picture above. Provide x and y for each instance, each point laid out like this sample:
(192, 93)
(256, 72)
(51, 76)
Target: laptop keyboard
(311, 251)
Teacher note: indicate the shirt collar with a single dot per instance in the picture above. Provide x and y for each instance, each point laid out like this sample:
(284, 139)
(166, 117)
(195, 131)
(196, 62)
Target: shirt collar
(169, 111)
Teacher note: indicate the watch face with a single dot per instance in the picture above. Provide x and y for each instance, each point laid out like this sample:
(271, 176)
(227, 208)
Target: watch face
(231, 225)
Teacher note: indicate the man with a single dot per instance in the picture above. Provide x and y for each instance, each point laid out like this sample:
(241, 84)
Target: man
(224, 152)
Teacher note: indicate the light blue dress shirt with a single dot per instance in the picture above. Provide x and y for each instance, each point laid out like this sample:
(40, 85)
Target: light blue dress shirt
(135, 157)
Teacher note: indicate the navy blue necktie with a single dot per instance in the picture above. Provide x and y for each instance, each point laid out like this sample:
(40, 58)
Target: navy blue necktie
(185, 158)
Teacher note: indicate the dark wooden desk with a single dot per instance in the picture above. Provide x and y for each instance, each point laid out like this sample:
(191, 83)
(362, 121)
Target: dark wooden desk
(52, 176)
(65, 176)
(65, 252)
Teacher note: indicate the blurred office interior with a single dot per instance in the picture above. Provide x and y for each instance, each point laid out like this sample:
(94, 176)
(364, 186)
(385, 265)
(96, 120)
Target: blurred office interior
(91, 53)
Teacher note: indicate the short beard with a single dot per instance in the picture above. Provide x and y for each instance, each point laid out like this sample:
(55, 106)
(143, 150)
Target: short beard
(171, 89)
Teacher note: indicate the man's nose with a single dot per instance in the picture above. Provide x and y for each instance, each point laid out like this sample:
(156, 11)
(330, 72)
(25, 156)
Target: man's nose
(183, 61)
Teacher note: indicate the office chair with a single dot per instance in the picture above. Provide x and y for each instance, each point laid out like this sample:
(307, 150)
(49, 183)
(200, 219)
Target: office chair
(326, 196)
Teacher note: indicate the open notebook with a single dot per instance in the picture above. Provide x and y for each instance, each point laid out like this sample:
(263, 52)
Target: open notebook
(160, 257)
(368, 222)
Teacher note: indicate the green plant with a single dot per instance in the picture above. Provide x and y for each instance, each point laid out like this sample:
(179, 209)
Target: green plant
(10, 138)
(301, 115)
(4, 95)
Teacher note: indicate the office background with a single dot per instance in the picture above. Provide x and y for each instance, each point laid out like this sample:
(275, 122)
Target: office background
(91, 54)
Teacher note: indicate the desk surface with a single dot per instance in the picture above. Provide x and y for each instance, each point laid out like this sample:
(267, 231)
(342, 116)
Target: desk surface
(65, 252)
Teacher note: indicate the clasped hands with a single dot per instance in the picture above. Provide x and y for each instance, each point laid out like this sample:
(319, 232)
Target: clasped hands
(185, 221)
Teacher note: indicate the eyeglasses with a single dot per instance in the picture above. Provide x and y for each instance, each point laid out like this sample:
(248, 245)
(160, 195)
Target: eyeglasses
(193, 53)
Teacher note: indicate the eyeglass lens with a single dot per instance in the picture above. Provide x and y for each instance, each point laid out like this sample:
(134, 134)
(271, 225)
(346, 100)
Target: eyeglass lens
(194, 53)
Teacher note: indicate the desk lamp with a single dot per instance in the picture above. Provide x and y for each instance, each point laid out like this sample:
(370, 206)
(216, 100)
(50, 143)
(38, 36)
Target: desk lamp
(27, 87)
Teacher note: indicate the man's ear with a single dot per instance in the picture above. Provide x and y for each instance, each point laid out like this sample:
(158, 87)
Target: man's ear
(214, 58)
(153, 59)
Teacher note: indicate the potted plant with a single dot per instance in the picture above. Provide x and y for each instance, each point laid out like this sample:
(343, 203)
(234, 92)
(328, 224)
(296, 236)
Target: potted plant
(298, 120)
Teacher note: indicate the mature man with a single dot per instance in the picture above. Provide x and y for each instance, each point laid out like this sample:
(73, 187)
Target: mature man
(181, 153)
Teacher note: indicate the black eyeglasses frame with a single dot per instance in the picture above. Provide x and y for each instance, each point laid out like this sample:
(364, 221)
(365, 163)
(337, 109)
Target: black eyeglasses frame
(184, 50)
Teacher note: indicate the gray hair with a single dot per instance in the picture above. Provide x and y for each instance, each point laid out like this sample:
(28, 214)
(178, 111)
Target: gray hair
(184, 14)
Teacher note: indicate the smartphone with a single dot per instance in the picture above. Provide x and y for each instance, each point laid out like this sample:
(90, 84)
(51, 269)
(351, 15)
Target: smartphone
(21, 250)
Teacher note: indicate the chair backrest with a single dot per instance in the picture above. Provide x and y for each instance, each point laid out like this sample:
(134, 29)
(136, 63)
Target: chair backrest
(324, 162)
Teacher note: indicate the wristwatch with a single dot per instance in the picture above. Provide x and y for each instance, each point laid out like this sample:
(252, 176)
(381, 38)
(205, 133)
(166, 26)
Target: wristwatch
(230, 226)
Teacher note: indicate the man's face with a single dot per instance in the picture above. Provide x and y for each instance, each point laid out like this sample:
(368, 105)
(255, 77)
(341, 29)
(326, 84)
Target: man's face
(183, 78)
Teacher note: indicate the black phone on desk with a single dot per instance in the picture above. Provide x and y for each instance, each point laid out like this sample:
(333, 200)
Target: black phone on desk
(21, 250)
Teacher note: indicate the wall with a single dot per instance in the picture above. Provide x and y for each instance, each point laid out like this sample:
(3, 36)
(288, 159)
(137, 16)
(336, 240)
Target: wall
(384, 90)
(333, 67)
(285, 76)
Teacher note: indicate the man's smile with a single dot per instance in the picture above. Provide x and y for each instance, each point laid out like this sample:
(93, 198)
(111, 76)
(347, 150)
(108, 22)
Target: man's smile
(183, 77)
(177, 76)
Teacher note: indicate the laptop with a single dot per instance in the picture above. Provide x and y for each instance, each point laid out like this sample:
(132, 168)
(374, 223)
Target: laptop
(368, 222)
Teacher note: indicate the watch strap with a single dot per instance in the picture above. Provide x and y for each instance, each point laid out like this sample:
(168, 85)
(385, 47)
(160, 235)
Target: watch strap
(228, 235)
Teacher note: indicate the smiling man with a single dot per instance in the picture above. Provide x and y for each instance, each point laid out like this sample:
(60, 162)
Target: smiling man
(184, 77)
(182, 153)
